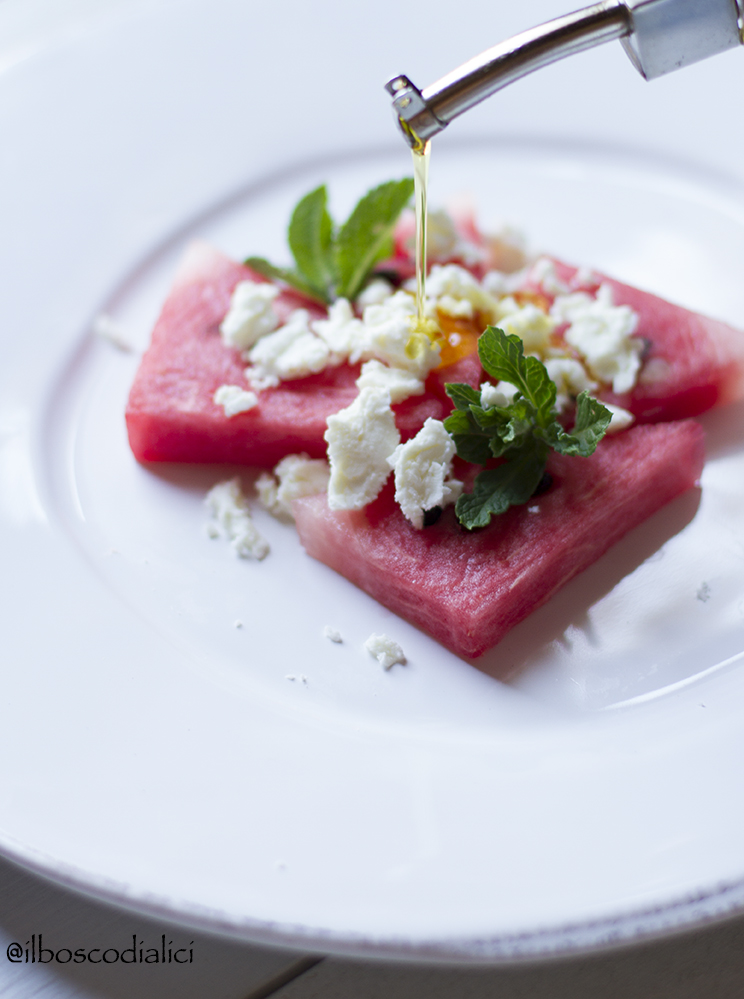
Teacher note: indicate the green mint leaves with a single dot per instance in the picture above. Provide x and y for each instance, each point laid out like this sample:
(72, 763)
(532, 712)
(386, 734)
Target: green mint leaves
(522, 432)
(331, 263)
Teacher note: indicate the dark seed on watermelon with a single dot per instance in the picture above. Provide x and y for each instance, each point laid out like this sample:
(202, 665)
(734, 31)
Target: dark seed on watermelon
(432, 516)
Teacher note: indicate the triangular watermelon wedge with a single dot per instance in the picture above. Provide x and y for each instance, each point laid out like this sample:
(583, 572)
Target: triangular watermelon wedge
(467, 589)
(171, 415)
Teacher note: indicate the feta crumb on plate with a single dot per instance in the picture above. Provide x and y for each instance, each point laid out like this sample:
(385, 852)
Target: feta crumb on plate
(332, 634)
(108, 329)
(250, 315)
(385, 651)
(295, 476)
(231, 518)
(235, 399)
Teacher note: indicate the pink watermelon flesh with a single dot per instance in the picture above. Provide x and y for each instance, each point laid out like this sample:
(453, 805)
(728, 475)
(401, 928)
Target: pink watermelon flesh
(171, 415)
(692, 363)
(467, 589)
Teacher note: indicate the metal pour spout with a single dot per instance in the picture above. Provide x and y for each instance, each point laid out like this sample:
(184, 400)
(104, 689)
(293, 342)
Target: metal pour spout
(658, 36)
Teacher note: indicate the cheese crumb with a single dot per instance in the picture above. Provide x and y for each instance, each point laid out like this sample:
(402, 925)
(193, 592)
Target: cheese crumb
(385, 651)
(456, 292)
(108, 329)
(250, 315)
(332, 635)
(621, 418)
(376, 292)
(543, 273)
(399, 383)
(231, 519)
(387, 333)
(342, 332)
(602, 333)
(360, 440)
(422, 466)
(570, 379)
(295, 476)
(531, 325)
(235, 399)
(292, 351)
(497, 395)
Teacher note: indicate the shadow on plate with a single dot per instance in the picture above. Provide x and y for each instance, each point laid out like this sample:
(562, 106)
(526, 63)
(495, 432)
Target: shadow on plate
(571, 605)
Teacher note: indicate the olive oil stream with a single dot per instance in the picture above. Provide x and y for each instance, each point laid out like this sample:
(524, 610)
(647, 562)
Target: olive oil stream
(423, 330)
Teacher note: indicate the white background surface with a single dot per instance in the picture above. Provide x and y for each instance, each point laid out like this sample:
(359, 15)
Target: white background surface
(72, 110)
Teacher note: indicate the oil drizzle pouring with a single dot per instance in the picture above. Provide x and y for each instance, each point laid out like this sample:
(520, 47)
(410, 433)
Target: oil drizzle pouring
(423, 330)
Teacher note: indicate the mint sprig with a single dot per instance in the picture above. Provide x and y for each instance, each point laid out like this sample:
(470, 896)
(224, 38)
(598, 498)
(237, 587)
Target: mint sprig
(335, 263)
(522, 432)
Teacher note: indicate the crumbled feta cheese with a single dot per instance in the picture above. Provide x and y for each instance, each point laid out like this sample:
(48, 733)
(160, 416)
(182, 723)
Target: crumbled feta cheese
(235, 399)
(531, 325)
(399, 383)
(295, 476)
(108, 329)
(231, 518)
(507, 249)
(360, 440)
(602, 333)
(293, 351)
(584, 278)
(543, 272)
(332, 634)
(496, 283)
(422, 466)
(250, 315)
(341, 331)
(376, 292)
(385, 651)
(570, 379)
(501, 395)
(441, 235)
(456, 292)
(387, 333)
(621, 418)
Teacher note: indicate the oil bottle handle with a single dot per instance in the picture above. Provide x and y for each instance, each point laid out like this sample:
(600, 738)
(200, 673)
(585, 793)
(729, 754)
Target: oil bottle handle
(658, 36)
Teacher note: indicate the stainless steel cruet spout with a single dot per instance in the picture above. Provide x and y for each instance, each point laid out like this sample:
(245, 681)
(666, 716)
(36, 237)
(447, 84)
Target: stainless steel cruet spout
(658, 35)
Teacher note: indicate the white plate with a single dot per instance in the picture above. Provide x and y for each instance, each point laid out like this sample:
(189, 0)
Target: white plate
(156, 754)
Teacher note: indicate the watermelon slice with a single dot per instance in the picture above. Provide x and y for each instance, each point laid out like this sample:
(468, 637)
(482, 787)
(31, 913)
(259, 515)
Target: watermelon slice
(691, 364)
(468, 589)
(171, 415)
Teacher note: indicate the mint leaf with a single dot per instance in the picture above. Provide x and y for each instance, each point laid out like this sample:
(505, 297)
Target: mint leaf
(521, 433)
(310, 239)
(502, 356)
(268, 270)
(462, 395)
(471, 444)
(366, 236)
(496, 489)
(590, 426)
